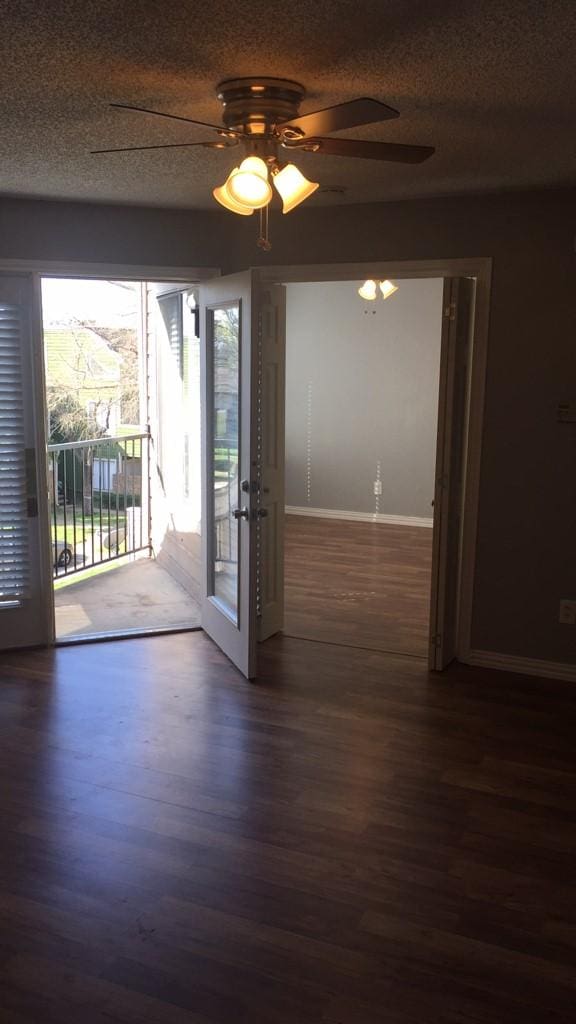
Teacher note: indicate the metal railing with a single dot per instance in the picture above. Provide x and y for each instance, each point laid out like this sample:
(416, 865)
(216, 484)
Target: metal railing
(99, 494)
(225, 499)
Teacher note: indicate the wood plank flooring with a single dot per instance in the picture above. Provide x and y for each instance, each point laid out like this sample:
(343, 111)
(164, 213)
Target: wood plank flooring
(359, 584)
(346, 841)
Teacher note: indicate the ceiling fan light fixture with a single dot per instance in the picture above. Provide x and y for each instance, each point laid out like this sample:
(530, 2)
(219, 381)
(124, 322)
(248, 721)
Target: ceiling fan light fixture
(222, 195)
(388, 289)
(368, 290)
(248, 185)
(292, 186)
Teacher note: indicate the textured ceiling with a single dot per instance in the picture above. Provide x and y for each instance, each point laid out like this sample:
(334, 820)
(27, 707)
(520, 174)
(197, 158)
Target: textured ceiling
(490, 84)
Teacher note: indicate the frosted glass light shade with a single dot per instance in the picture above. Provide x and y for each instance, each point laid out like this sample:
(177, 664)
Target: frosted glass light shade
(368, 290)
(293, 187)
(388, 289)
(249, 184)
(222, 196)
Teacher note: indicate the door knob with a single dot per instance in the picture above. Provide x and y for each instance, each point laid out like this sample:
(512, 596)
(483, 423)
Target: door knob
(241, 513)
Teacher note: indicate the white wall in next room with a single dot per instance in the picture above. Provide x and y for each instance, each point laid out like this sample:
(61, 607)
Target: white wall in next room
(362, 398)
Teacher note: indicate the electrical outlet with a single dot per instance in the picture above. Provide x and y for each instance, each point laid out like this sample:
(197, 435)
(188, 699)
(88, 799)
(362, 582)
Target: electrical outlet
(377, 487)
(567, 612)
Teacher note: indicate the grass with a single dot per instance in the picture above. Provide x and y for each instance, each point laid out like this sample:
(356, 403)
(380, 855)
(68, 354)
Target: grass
(84, 525)
(88, 529)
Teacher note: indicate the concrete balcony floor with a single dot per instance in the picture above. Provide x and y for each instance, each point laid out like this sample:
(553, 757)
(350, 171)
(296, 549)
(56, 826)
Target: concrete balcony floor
(130, 597)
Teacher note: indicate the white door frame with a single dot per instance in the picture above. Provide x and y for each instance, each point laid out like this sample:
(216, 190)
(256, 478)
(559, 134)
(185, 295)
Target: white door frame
(233, 629)
(38, 269)
(479, 268)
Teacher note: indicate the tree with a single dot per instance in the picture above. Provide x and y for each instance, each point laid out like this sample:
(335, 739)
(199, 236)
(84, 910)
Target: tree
(74, 418)
(124, 342)
(67, 418)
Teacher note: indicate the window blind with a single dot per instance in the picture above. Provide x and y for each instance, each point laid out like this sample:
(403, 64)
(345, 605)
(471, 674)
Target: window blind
(171, 309)
(14, 561)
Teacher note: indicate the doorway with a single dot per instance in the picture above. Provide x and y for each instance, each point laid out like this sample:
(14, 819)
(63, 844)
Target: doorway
(123, 454)
(362, 381)
(256, 487)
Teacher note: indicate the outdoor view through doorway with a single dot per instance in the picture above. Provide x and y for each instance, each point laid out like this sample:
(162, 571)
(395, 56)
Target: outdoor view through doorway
(122, 369)
(362, 383)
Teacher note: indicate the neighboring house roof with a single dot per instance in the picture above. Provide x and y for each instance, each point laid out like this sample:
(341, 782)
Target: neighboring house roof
(77, 358)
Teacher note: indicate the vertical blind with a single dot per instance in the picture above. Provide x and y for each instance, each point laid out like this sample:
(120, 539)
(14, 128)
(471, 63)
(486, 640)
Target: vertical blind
(171, 309)
(14, 564)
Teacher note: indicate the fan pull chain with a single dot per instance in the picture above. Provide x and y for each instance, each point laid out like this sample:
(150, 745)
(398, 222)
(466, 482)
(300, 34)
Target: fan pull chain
(263, 240)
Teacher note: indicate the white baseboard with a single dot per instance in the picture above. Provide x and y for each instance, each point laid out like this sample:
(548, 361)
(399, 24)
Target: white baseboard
(524, 666)
(359, 517)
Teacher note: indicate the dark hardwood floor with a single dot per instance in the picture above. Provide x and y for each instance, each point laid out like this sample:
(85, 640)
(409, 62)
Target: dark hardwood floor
(359, 584)
(346, 841)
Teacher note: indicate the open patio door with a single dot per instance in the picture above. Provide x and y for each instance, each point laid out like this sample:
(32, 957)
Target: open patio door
(457, 306)
(242, 359)
(25, 581)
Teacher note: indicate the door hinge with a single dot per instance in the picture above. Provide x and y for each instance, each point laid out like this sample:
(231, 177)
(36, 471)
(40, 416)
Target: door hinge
(436, 640)
(450, 311)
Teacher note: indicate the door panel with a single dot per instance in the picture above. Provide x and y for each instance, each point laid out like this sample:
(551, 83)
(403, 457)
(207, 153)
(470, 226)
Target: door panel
(271, 447)
(25, 579)
(452, 402)
(228, 317)
(171, 398)
(224, 496)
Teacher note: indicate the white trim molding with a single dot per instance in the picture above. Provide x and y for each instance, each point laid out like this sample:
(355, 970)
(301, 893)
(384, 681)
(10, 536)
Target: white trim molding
(359, 517)
(523, 666)
(479, 268)
(116, 271)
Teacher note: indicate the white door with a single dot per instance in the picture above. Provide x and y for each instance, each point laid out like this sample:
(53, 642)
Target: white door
(457, 305)
(25, 563)
(271, 404)
(239, 382)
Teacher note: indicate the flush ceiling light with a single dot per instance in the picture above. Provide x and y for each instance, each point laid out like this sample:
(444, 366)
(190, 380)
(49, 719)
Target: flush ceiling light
(369, 290)
(388, 289)
(292, 186)
(249, 185)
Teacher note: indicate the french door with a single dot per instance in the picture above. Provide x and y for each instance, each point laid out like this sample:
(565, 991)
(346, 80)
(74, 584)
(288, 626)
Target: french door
(25, 564)
(242, 370)
(457, 305)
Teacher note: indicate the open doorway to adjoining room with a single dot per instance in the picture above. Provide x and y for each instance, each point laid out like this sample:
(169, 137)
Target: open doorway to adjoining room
(362, 394)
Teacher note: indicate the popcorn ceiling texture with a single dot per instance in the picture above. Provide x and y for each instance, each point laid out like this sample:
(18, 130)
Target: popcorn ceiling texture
(490, 84)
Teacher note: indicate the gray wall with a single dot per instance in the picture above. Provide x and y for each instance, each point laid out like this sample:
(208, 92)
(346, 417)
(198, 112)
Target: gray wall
(362, 389)
(100, 233)
(526, 552)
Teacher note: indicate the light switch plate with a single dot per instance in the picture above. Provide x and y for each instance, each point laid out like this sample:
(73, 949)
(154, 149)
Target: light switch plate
(566, 412)
(567, 614)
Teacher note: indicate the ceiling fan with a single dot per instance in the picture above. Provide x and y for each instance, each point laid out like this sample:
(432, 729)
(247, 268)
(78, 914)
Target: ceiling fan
(262, 115)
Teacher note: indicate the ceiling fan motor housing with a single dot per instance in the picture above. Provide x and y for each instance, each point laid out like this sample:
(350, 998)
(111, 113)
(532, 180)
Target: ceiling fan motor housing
(256, 105)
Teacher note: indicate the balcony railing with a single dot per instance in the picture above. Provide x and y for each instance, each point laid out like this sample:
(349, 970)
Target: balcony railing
(100, 500)
(225, 499)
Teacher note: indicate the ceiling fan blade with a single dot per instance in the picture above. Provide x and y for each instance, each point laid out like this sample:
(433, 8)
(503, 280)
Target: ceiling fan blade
(394, 152)
(341, 116)
(176, 145)
(176, 117)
